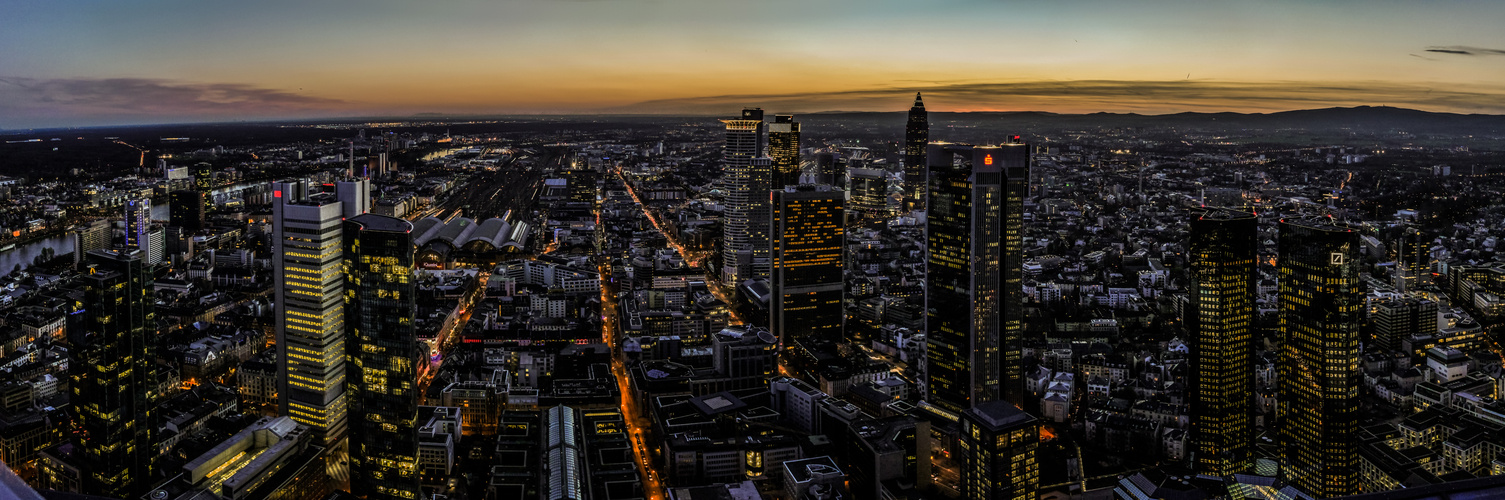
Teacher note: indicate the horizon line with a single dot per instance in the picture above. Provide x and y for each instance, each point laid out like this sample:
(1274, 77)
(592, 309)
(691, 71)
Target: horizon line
(438, 116)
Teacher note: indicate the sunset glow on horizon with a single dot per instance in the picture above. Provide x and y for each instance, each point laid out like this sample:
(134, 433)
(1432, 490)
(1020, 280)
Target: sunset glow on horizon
(77, 63)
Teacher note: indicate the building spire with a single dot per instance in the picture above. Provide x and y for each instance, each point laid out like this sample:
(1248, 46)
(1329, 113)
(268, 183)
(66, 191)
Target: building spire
(917, 102)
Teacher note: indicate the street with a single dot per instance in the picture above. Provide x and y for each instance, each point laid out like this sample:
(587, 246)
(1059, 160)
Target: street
(692, 259)
(638, 425)
(448, 337)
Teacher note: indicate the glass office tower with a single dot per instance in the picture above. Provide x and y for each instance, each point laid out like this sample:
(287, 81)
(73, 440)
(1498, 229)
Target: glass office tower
(808, 283)
(384, 356)
(974, 251)
(1321, 306)
(1220, 318)
(112, 356)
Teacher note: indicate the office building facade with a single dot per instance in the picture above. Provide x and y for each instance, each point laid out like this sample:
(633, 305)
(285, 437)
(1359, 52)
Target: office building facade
(808, 249)
(974, 238)
(307, 250)
(868, 191)
(385, 354)
(88, 237)
(1321, 305)
(784, 150)
(1413, 261)
(138, 220)
(186, 210)
(112, 359)
(154, 245)
(1396, 319)
(1220, 318)
(997, 447)
(203, 176)
(748, 177)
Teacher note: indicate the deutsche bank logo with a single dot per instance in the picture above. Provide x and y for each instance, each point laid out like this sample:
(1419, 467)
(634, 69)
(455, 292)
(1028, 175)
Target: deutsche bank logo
(1337, 258)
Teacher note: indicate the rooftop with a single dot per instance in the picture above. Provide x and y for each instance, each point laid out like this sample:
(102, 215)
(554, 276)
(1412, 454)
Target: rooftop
(998, 415)
(374, 222)
(811, 468)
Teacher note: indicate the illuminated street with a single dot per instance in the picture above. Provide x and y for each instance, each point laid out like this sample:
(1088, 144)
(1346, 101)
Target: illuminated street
(449, 337)
(639, 427)
(692, 259)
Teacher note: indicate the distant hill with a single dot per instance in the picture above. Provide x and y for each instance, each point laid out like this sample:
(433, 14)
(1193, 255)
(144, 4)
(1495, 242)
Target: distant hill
(1365, 118)
(1362, 118)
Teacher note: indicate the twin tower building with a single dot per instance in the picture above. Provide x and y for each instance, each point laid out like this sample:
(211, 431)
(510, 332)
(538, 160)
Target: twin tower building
(349, 356)
(1318, 378)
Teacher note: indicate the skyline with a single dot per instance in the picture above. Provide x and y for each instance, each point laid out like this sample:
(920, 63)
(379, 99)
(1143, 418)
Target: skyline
(609, 307)
(82, 64)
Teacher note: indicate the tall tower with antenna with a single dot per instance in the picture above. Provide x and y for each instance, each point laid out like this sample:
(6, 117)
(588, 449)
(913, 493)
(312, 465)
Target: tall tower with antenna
(916, 139)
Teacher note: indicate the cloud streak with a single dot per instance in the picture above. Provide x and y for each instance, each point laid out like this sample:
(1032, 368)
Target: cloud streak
(91, 101)
(1464, 50)
(1085, 96)
(39, 103)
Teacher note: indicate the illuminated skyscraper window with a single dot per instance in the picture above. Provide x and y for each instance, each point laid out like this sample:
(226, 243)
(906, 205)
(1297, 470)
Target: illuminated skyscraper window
(1220, 318)
(808, 246)
(1321, 305)
(974, 318)
(385, 354)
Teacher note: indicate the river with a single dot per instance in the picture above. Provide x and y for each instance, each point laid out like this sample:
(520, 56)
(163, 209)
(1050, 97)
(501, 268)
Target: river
(23, 255)
(60, 245)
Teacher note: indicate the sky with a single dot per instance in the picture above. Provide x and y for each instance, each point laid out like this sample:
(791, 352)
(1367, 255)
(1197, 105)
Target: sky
(108, 62)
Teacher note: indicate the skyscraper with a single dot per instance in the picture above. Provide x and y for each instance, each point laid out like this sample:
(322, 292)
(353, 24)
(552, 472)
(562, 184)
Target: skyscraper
(355, 196)
(1015, 164)
(1396, 319)
(1321, 303)
(808, 245)
(112, 359)
(974, 314)
(784, 149)
(203, 176)
(1220, 316)
(385, 352)
(828, 166)
(177, 178)
(748, 175)
(868, 190)
(88, 237)
(997, 448)
(186, 210)
(916, 139)
(154, 245)
(1413, 260)
(138, 218)
(306, 243)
